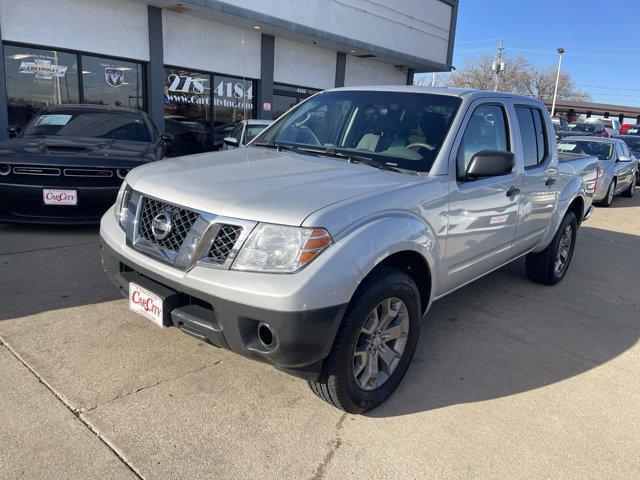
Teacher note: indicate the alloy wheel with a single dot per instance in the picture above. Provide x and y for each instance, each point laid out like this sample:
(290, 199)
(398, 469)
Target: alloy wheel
(564, 251)
(381, 343)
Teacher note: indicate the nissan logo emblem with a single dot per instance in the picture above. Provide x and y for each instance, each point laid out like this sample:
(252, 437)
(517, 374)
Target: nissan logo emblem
(161, 225)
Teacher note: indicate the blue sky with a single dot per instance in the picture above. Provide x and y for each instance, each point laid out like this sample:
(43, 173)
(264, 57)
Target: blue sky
(599, 37)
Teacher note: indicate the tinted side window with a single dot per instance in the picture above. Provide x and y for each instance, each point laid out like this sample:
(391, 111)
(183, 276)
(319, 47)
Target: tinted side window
(486, 130)
(528, 136)
(619, 151)
(541, 135)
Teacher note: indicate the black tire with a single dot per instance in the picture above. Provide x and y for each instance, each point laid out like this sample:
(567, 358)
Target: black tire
(541, 266)
(337, 384)
(608, 198)
(630, 192)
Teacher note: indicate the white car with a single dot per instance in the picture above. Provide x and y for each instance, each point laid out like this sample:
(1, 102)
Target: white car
(244, 132)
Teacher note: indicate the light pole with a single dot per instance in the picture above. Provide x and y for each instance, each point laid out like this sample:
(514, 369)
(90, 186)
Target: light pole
(555, 90)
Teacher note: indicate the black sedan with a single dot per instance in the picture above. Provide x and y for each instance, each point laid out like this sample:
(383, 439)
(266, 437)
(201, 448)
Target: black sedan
(575, 129)
(67, 164)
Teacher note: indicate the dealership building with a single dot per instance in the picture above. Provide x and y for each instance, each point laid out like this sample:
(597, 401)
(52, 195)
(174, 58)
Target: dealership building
(198, 66)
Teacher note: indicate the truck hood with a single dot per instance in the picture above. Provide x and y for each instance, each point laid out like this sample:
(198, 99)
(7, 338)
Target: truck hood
(260, 184)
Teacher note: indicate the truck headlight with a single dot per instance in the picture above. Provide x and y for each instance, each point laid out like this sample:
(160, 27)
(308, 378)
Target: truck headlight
(120, 208)
(281, 249)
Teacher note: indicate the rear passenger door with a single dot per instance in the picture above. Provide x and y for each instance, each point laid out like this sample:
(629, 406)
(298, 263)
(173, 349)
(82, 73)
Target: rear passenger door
(483, 212)
(539, 190)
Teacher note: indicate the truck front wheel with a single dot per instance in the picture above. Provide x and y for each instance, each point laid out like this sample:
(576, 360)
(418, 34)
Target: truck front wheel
(550, 265)
(374, 345)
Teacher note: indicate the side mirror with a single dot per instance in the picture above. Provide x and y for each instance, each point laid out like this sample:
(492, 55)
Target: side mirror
(490, 163)
(13, 131)
(231, 141)
(167, 138)
(624, 158)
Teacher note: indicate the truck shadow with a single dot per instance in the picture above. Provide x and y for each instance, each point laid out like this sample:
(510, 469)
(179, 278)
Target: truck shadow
(504, 335)
(45, 268)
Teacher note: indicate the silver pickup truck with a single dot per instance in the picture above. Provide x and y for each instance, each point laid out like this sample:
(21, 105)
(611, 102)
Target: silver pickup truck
(320, 247)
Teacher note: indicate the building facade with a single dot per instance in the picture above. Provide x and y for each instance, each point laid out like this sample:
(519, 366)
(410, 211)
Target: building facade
(200, 65)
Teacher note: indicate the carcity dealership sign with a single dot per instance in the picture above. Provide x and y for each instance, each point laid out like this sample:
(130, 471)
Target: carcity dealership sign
(186, 89)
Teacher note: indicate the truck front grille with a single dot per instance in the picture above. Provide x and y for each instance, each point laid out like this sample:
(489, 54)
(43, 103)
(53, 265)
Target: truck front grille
(224, 242)
(181, 222)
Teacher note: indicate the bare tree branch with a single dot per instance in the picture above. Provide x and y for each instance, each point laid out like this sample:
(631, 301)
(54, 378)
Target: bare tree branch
(519, 77)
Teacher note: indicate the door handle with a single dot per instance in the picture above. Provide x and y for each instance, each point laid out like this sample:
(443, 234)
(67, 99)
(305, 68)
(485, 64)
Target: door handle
(550, 181)
(513, 191)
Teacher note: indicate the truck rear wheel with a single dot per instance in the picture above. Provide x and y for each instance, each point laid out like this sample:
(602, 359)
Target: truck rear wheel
(550, 265)
(374, 345)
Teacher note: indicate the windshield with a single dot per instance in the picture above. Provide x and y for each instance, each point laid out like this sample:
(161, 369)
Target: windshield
(601, 150)
(399, 130)
(92, 124)
(582, 127)
(252, 131)
(633, 143)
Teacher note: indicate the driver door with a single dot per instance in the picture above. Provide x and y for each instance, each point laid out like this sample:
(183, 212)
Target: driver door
(483, 213)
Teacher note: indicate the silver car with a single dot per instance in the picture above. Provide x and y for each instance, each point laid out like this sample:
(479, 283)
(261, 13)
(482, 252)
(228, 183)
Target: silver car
(618, 166)
(243, 132)
(320, 246)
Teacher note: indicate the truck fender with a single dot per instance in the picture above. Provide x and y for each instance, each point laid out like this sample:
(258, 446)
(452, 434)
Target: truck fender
(573, 189)
(372, 241)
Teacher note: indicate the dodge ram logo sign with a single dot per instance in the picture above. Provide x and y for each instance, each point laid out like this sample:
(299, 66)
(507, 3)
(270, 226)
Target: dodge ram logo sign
(161, 225)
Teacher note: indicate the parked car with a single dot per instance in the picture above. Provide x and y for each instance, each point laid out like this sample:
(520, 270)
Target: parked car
(320, 246)
(611, 124)
(632, 130)
(244, 132)
(625, 126)
(618, 167)
(68, 162)
(633, 142)
(585, 129)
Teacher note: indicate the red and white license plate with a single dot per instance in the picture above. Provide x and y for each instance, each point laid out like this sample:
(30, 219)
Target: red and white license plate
(53, 196)
(146, 303)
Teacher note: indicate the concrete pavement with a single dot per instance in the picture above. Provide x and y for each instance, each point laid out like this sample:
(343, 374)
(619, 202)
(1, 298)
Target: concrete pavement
(510, 379)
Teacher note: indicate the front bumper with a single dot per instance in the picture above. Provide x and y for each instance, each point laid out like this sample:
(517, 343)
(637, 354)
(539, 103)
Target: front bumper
(23, 203)
(301, 339)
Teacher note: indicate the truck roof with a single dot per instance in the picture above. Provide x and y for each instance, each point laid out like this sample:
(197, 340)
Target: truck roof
(454, 92)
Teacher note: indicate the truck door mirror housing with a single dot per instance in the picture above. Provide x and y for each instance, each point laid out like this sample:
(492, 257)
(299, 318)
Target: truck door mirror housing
(490, 163)
(231, 141)
(167, 138)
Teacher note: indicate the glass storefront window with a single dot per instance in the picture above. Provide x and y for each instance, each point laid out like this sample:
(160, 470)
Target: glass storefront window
(37, 78)
(187, 110)
(286, 96)
(232, 99)
(112, 82)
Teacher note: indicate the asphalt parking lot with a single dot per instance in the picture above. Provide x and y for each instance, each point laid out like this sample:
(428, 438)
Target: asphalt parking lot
(510, 379)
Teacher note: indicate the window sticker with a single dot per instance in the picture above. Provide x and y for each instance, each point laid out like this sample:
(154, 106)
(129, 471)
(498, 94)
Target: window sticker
(53, 119)
(567, 147)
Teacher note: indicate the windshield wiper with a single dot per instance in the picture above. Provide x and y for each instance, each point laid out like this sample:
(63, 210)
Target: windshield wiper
(284, 146)
(332, 152)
